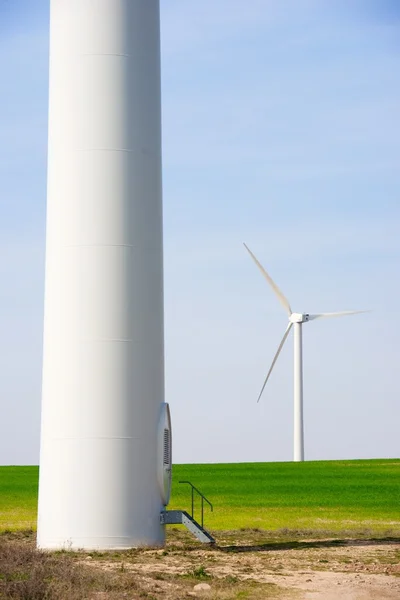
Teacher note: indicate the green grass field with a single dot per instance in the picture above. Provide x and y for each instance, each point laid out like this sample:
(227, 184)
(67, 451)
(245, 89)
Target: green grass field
(335, 496)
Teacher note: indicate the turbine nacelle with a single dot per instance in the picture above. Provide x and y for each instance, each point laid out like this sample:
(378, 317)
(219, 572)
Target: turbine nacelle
(299, 318)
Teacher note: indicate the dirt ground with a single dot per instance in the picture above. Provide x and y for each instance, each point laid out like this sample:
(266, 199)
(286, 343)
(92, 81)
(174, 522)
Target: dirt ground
(244, 565)
(247, 564)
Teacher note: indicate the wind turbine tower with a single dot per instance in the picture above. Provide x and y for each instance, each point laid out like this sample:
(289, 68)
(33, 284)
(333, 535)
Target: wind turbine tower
(296, 320)
(105, 433)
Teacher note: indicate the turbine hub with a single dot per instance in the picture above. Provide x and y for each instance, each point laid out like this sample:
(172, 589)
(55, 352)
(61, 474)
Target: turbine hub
(299, 317)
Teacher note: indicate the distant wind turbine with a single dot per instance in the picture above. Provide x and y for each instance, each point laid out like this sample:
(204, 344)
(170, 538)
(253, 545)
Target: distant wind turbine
(296, 321)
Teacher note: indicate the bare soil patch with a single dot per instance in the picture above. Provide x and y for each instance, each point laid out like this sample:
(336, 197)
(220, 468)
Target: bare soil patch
(242, 565)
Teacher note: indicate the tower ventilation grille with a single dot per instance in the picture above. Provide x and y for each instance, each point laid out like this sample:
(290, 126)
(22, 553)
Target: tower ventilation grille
(167, 447)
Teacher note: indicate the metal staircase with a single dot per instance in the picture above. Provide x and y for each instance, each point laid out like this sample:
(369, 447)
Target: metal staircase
(181, 517)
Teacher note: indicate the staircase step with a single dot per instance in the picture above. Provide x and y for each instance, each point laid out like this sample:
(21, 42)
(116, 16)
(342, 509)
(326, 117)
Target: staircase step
(181, 517)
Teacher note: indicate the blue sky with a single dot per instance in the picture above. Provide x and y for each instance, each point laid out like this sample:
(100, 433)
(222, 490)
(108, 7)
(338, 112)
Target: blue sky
(281, 128)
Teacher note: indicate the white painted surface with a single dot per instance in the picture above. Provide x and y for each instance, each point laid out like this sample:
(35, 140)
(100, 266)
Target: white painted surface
(103, 366)
(298, 434)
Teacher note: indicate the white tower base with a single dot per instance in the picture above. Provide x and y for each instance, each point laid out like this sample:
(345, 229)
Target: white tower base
(103, 364)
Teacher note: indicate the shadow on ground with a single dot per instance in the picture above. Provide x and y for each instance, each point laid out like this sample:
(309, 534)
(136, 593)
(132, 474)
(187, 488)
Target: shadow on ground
(304, 545)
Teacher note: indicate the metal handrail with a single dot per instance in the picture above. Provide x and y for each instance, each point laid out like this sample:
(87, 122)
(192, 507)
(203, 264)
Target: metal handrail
(202, 496)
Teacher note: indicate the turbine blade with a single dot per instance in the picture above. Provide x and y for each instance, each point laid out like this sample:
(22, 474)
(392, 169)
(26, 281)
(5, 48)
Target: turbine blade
(336, 314)
(288, 328)
(282, 299)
